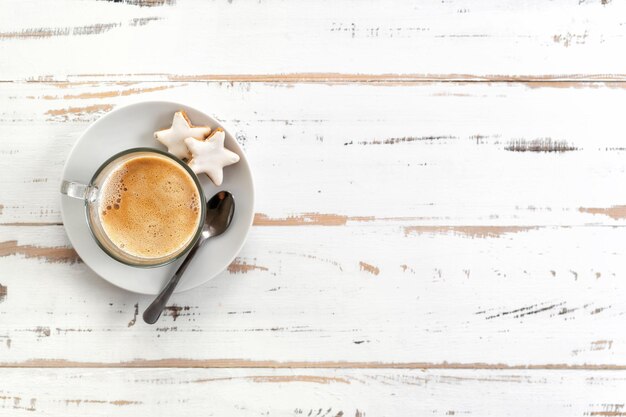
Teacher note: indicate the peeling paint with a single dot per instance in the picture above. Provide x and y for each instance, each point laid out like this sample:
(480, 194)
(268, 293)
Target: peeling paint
(321, 219)
(174, 311)
(118, 403)
(132, 322)
(167, 329)
(539, 145)
(405, 139)
(300, 378)
(374, 270)
(474, 232)
(49, 254)
(408, 79)
(614, 212)
(599, 310)
(145, 3)
(108, 94)
(72, 330)
(41, 331)
(242, 363)
(568, 38)
(17, 403)
(142, 21)
(602, 345)
(41, 33)
(242, 267)
(609, 410)
(524, 311)
(305, 219)
(95, 108)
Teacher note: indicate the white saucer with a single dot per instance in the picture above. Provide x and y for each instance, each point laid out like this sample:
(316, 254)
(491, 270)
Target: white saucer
(133, 126)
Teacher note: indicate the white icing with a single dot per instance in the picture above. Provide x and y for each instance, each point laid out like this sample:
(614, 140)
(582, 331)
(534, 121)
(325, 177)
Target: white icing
(174, 137)
(210, 156)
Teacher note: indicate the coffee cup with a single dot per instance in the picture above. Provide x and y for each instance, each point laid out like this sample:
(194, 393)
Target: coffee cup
(144, 207)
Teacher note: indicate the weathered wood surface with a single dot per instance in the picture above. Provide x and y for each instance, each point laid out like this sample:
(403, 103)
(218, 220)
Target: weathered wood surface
(506, 154)
(309, 392)
(546, 297)
(478, 218)
(439, 215)
(351, 39)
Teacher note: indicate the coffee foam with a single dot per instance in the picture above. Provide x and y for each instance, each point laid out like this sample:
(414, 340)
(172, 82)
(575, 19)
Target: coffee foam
(112, 195)
(150, 207)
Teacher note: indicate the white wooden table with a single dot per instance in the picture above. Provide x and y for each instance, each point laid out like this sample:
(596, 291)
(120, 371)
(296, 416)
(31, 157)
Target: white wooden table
(440, 217)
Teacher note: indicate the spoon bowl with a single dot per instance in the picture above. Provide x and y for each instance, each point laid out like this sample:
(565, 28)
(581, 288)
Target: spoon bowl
(219, 214)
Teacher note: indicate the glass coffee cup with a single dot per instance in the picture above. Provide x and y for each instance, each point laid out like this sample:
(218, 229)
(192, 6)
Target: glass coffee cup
(144, 207)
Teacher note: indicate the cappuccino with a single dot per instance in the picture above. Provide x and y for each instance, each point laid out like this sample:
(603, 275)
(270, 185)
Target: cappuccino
(149, 207)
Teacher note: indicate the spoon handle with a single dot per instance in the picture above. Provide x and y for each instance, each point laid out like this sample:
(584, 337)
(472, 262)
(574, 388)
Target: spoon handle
(154, 310)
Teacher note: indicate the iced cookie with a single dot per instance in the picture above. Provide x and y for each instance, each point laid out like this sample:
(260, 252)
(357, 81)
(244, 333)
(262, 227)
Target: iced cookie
(210, 156)
(174, 137)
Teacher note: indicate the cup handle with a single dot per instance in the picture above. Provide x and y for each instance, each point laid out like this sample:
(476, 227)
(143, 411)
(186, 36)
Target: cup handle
(78, 190)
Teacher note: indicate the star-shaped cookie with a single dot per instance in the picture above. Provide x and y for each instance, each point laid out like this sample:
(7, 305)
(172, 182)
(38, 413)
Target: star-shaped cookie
(210, 156)
(174, 137)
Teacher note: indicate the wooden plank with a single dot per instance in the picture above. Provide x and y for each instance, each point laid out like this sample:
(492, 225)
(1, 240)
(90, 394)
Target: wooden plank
(467, 154)
(306, 392)
(357, 295)
(198, 40)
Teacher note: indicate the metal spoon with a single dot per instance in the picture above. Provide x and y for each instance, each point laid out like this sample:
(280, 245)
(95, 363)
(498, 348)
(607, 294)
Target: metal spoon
(219, 213)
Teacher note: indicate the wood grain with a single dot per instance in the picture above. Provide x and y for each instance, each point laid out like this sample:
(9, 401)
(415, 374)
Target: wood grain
(329, 393)
(178, 363)
(347, 40)
(517, 268)
(438, 216)
(548, 298)
(456, 147)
